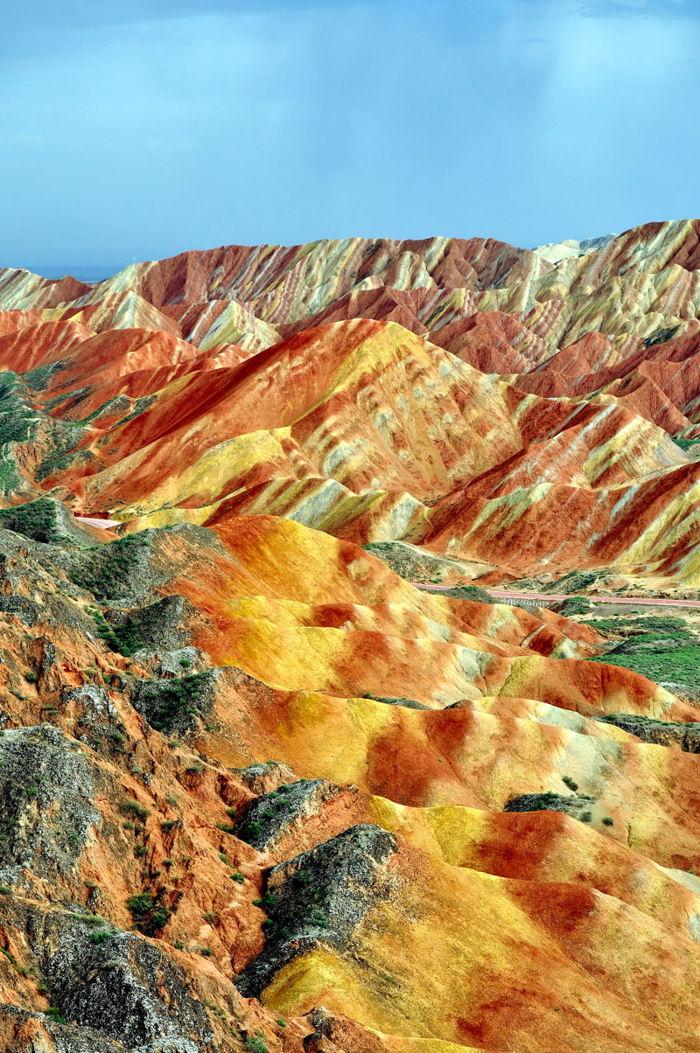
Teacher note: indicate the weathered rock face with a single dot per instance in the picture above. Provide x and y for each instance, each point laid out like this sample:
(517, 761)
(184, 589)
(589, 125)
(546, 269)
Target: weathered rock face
(272, 814)
(47, 811)
(663, 733)
(121, 986)
(320, 897)
(258, 793)
(576, 805)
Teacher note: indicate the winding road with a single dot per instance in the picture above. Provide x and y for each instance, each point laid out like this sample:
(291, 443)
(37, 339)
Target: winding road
(549, 597)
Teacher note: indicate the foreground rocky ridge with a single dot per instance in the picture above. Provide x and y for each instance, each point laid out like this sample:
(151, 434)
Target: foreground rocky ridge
(195, 856)
(257, 791)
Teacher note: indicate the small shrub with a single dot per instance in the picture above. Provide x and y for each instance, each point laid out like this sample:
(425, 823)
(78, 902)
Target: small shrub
(607, 821)
(256, 1044)
(585, 817)
(211, 917)
(568, 781)
(240, 878)
(88, 919)
(55, 1014)
(149, 915)
(168, 824)
(101, 936)
(131, 807)
(140, 851)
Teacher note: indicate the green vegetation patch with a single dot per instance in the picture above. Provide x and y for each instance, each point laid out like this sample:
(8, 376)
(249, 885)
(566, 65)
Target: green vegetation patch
(125, 639)
(576, 605)
(677, 665)
(45, 520)
(110, 570)
(623, 623)
(149, 915)
(664, 648)
(576, 581)
(18, 420)
(174, 705)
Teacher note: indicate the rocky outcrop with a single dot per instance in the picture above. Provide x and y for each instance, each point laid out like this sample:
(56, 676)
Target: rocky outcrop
(659, 732)
(578, 806)
(125, 987)
(173, 705)
(270, 816)
(319, 897)
(47, 796)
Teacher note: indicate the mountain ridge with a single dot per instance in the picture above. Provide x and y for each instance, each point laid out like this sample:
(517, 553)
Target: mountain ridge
(260, 793)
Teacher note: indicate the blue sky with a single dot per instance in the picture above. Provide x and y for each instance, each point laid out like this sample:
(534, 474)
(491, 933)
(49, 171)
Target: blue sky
(138, 128)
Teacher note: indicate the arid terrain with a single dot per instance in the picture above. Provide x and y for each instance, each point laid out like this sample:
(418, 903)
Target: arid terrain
(284, 764)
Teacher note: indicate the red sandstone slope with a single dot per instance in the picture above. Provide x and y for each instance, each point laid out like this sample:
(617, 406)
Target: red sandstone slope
(259, 792)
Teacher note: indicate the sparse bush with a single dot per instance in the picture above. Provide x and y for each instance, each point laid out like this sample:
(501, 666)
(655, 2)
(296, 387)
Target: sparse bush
(256, 1044)
(568, 781)
(131, 807)
(576, 605)
(149, 915)
(55, 1014)
(101, 936)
